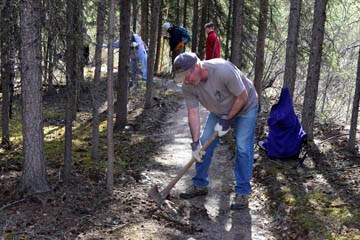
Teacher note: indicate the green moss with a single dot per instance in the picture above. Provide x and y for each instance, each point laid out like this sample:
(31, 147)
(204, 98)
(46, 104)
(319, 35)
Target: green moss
(10, 235)
(308, 218)
(338, 215)
(50, 114)
(289, 199)
(350, 234)
(318, 199)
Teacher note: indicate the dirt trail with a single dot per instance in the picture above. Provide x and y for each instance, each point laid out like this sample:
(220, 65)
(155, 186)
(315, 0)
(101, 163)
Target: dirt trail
(207, 217)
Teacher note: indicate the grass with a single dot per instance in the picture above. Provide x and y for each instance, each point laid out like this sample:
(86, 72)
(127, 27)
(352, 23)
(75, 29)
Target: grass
(54, 133)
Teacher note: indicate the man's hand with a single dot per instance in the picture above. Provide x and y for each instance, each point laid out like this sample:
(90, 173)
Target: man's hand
(223, 126)
(196, 151)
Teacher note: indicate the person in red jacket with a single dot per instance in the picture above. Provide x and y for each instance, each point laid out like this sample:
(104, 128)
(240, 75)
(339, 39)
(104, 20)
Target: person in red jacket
(212, 42)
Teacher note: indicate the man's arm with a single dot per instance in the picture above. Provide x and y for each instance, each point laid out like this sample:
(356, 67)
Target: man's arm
(194, 123)
(238, 104)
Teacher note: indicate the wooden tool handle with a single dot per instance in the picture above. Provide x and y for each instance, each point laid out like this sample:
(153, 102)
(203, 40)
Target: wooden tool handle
(172, 183)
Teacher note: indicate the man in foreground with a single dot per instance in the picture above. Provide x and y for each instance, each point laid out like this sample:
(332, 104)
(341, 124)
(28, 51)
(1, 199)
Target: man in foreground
(230, 98)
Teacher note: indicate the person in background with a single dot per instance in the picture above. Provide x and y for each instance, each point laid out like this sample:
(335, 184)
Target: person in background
(178, 38)
(231, 98)
(212, 42)
(138, 54)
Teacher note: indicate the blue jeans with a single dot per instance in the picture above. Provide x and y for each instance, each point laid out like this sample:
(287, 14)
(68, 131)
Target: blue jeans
(244, 155)
(143, 59)
(134, 67)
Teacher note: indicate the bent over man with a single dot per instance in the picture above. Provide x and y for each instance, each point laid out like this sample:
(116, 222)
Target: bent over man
(230, 98)
(178, 38)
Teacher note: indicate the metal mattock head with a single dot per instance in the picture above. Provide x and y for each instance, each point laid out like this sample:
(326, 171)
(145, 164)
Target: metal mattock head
(156, 195)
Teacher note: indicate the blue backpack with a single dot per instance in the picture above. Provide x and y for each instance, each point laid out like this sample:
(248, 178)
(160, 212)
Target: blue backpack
(286, 135)
(185, 36)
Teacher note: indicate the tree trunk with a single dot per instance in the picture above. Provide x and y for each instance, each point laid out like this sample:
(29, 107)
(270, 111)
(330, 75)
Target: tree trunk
(228, 30)
(313, 75)
(185, 13)
(122, 86)
(260, 48)
(33, 178)
(7, 40)
(134, 14)
(159, 41)
(325, 91)
(50, 71)
(195, 26)
(73, 58)
(176, 5)
(51, 47)
(145, 21)
(201, 46)
(355, 111)
(155, 11)
(238, 7)
(100, 18)
(291, 46)
(110, 98)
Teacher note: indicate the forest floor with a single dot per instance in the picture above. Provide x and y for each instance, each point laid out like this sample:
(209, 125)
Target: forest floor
(320, 200)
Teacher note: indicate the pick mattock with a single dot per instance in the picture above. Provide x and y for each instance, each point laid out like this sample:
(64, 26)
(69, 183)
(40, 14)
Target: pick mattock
(159, 197)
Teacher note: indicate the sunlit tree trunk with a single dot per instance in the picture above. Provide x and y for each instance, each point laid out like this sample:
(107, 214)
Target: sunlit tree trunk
(33, 178)
(313, 75)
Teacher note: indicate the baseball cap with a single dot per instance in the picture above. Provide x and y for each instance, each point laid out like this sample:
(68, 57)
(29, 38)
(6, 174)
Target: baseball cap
(183, 64)
(166, 26)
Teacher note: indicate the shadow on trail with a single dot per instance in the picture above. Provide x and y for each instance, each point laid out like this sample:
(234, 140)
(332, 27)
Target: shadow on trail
(304, 202)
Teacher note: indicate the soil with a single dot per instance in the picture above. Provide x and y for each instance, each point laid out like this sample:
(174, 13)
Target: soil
(83, 210)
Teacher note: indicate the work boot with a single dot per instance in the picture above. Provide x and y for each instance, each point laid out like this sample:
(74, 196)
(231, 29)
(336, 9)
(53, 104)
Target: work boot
(240, 202)
(193, 191)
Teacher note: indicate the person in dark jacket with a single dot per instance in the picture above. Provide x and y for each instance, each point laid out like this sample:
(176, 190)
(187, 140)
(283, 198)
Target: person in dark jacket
(212, 42)
(178, 38)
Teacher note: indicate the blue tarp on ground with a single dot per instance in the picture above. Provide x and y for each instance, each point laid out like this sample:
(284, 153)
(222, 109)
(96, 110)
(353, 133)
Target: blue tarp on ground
(285, 131)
